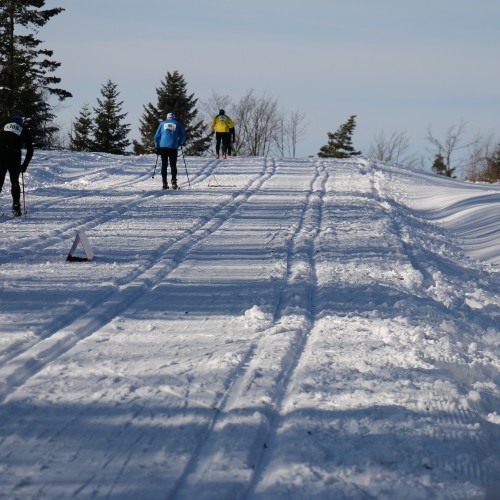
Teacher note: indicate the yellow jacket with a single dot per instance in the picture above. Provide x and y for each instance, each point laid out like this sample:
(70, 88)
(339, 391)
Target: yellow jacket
(222, 123)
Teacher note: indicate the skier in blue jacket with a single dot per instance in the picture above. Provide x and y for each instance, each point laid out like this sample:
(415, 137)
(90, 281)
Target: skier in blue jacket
(169, 136)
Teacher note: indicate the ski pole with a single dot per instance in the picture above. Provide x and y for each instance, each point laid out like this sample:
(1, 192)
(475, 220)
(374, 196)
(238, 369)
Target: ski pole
(185, 166)
(154, 171)
(24, 195)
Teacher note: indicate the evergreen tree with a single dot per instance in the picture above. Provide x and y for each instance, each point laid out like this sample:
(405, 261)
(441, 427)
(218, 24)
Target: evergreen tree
(172, 97)
(492, 173)
(439, 166)
(81, 137)
(110, 135)
(340, 142)
(26, 69)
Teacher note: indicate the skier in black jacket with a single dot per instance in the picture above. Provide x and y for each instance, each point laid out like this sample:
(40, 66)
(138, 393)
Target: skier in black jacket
(13, 135)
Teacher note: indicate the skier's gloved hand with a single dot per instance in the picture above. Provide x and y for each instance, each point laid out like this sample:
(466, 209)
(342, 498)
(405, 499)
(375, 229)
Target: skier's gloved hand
(158, 151)
(24, 168)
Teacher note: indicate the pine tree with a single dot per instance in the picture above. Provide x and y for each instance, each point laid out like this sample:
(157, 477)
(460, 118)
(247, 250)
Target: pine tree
(340, 142)
(110, 135)
(26, 69)
(172, 97)
(441, 168)
(81, 137)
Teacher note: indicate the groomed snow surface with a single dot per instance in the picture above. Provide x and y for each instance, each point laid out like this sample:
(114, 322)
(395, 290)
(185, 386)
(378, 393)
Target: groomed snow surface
(281, 328)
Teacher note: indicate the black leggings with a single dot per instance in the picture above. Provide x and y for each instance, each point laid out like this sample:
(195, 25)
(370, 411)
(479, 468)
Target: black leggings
(169, 155)
(10, 162)
(225, 137)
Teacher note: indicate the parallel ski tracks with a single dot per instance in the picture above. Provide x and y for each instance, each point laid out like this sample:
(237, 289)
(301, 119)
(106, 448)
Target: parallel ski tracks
(257, 387)
(92, 220)
(22, 361)
(78, 194)
(67, 231)
(454, 423)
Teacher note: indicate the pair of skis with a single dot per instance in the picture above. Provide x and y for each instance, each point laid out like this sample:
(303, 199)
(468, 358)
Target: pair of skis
(5, 216)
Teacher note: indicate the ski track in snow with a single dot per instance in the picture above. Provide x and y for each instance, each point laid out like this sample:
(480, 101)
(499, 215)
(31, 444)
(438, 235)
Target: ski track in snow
(450, 421)
(262, 381)
(54, 341)
(284, 328)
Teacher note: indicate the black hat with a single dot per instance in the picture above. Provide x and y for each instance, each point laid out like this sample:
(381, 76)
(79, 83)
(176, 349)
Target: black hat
(17, 118)
(222, 112)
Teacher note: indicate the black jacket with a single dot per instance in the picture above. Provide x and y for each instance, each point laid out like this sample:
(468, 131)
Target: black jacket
(13, 136)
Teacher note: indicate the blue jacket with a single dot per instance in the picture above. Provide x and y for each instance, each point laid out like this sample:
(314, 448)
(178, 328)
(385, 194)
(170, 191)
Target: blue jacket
(170, 134)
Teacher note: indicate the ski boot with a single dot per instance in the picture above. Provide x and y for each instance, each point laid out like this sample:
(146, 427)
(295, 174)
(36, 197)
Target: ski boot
(16, 210)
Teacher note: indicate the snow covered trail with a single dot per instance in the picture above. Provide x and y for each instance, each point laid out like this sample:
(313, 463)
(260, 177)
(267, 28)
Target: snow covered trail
(238, 434)
(383, 400)
(295, 328)
(99, 216)
(43, 356)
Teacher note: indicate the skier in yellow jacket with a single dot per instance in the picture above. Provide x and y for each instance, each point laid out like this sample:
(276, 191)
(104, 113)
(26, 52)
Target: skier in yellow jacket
(223, 127)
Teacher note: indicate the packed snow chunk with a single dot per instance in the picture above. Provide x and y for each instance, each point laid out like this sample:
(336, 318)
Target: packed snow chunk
(473, 303)
(255, 313)
(494, 418)
(256, 317)
(448, 326)
(474, 396)
(492, 337)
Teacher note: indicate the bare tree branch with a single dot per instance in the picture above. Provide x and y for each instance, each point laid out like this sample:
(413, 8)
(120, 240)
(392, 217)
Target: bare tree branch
(295, 129)
(390, 149)
(449, 145)
(481, 149)
(261, 127)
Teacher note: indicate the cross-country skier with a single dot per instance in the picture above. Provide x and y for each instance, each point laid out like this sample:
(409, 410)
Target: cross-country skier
(13, 136)
(224, 130)
(169, 136)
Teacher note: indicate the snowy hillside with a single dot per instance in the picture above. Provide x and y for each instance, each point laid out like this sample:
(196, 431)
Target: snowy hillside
(278, 329)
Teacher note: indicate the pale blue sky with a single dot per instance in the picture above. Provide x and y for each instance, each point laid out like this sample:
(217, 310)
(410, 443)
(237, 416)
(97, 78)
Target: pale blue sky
(398, 65)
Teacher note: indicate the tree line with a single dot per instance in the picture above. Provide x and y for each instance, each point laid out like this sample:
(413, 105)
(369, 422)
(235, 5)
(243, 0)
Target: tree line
(262, 127)
(481, 165)
(479, 159)
(28, 83)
